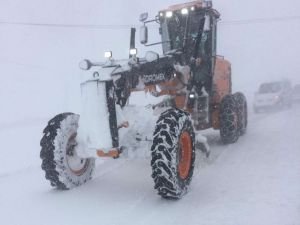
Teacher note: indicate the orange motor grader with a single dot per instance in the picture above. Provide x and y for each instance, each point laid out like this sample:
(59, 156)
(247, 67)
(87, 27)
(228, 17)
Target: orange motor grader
(194, 79)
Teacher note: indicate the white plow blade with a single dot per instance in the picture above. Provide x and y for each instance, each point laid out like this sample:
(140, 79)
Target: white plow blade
(94, 130)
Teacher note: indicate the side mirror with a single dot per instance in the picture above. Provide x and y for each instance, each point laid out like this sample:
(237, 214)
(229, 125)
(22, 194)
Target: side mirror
(144, 34)
(143, 17)
(207, 23)
(151, 56)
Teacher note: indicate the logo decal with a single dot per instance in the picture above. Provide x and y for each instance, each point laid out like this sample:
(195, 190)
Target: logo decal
(153, 78)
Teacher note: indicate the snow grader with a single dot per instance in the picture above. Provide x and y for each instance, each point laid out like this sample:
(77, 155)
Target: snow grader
(195, 81)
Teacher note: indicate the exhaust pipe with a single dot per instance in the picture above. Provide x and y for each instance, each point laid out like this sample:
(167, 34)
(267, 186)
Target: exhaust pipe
(132, 40)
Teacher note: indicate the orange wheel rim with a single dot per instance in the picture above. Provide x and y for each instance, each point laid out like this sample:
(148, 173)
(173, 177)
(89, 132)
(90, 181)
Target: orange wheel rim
(77, 165)
(185, 155)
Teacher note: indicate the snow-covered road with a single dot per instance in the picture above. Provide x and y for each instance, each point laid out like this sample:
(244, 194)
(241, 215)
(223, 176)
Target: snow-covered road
(255, 181)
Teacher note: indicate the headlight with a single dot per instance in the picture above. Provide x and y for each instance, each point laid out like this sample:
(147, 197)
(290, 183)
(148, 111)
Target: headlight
(192, 95)
(169, 14)
(133, 51)
(184, 11)
(85, 64)
(108, 54)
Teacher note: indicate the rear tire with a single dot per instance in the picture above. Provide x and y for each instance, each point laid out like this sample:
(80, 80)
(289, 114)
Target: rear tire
(242, 112)
(229, 131)
(63, 168)
(173, 153)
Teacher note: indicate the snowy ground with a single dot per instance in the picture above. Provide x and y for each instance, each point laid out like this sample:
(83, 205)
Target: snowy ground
(253, 182)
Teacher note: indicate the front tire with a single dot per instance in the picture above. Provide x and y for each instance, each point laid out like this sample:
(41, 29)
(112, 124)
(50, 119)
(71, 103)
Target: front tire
(63, 168)
(173, 153)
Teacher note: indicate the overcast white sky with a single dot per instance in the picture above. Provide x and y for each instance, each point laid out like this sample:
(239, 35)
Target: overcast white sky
(258, 51)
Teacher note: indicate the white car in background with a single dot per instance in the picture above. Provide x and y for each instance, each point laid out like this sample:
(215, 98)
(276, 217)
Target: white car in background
(273, 95)
(296, 93)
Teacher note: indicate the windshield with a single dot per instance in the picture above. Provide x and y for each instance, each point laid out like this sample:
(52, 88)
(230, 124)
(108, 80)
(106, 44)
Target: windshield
(180, 30)
(269, 88)
(173, 30)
